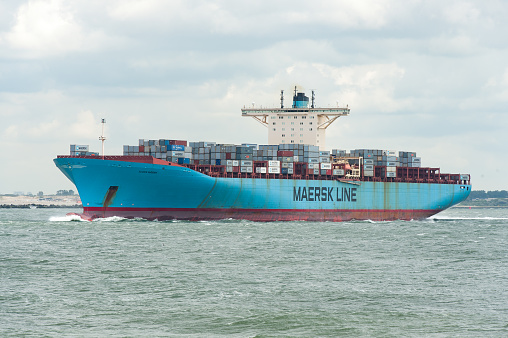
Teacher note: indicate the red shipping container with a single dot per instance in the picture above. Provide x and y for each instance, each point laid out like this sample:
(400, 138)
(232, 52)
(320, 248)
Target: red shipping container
(328, 171)
(285, 153)
(178, 142)
(228, 156)
(236, 169)
(141, 149)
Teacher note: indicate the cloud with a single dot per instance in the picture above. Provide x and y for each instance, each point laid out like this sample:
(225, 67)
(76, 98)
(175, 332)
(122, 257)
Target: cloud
(46, 28)
(426, 75)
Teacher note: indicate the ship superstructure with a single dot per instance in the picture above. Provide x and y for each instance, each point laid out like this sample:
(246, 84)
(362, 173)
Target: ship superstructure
(300, 124)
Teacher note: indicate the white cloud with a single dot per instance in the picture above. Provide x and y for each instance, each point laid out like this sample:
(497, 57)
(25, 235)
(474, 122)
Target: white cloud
(454, 45)
(48, 27)
(461, 12)
(431, 69)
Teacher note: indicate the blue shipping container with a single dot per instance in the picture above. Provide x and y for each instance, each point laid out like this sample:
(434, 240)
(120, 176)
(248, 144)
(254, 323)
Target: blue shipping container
(176, 147)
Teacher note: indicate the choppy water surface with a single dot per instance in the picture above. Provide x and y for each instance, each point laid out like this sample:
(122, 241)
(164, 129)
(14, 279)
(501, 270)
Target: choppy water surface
(446, 276)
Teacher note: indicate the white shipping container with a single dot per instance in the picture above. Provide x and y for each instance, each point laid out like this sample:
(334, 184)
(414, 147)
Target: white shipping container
(274, 163)
(177, 153)
(464, 177)
(295, 158)
(391, 174)
(368, 173)
(291, 165)
(391, 169)
(229, 163)
(284, 165)
(273, 170)
(338, 172)
(290, 171)
(81, 147)
(368, 167)
(326, 166)
(261, 170)
(310, 166)
(245, 169)
(236, 163)
(246, 163)
(229, 169)
(389, 153)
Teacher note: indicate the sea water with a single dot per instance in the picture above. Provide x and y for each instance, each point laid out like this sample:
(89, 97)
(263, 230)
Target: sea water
(443, 276)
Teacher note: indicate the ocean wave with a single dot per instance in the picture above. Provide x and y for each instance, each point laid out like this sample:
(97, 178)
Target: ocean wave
(453, 218)
(66, 218)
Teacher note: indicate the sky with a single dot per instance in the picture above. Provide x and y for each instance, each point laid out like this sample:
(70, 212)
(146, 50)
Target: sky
(423, 76)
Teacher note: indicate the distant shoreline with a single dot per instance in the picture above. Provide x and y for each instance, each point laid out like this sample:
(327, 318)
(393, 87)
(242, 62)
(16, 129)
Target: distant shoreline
(38, 206)
(46, 201)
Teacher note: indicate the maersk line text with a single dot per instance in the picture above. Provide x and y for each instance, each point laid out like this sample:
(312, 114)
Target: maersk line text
(324, 194)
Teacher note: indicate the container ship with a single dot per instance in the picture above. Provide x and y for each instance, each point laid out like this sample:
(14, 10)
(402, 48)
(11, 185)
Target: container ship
(292, 178)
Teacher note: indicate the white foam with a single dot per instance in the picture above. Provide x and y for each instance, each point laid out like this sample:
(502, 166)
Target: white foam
(110, 219)
(66, 218)
(451, 218)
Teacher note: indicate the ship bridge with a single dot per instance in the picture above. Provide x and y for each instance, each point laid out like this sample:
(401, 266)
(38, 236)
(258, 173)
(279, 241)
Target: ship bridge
(299, 124)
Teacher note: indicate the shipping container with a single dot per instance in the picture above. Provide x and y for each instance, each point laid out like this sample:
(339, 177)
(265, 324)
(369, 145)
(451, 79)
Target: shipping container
(273, 170)
(368, 173)
(78, 147)
(338, 172)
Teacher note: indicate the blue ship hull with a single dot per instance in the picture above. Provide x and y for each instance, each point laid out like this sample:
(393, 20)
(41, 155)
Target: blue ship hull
(154, 191)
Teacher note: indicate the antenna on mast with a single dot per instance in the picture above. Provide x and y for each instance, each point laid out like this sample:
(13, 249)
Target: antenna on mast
(102, 138)
(282, 99)
(313, 98)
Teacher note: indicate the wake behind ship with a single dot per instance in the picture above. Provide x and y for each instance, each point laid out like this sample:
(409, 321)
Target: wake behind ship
(291, 179)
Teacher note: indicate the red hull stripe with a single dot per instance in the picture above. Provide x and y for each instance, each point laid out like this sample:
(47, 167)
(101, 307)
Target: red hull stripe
(335, 215)
(111, 209)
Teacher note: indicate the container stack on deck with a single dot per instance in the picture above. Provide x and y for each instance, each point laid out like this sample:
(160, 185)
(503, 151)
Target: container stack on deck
(284, 161)
(287, 159)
